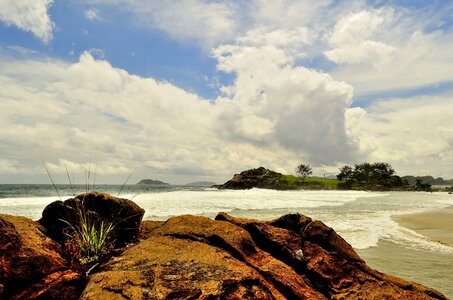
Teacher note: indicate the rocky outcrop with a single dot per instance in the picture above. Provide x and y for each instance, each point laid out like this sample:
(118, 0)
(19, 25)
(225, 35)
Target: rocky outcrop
(31, 264)
(123, 213)
(256, 178)
(327, 261)
(293, 257)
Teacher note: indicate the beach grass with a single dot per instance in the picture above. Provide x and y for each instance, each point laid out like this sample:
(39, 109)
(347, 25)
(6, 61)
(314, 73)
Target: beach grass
(89, 236)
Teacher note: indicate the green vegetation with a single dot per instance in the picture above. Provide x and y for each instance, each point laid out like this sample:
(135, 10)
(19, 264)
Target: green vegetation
(370, 176)
(330, 184)
(89, 237)
(428, 179)
(294, 182)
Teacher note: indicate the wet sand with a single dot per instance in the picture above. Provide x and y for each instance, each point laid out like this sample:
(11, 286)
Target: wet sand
(432, 269)
(436, 225)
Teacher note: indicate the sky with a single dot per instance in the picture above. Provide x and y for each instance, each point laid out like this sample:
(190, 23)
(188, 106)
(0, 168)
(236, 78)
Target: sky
(197, 90)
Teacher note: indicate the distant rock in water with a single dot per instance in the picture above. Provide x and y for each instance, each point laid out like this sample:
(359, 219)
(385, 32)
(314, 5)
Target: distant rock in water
(201, 183)
(152, 182)
(256, 178)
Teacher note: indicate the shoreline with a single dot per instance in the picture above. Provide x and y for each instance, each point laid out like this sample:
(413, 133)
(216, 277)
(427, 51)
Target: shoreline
(436, 225)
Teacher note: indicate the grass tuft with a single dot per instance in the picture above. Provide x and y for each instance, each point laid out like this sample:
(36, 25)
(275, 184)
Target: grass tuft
(89, 237)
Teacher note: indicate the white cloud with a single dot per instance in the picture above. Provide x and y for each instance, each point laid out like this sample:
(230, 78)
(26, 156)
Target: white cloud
(203, 21)
(352, 38)
(21, 50)
(92, 113)
(274, 104)
(28, 15)
(412, 134)
(92, 15)
(388, 49)
(211, 23)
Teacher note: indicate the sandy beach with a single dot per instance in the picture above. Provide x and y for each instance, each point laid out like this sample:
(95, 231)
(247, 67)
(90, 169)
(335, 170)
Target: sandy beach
(436, 225)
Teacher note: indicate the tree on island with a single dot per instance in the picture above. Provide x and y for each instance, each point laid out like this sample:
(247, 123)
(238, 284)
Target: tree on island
(346, 173)
(421, 186)
(304, 171)
(376, 176)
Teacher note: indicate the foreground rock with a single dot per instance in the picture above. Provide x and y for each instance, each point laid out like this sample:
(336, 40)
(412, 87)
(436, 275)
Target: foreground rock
(32, 265)
(123, 213)
(293, 257)
(189, 257)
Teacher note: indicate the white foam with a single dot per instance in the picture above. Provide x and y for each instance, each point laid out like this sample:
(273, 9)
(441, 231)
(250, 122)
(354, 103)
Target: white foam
(213, 201)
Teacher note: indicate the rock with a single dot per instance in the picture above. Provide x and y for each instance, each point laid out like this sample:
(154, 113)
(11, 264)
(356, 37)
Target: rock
(147, 228)
(67, 284)
(328, 239)
(256, 178)
(164, 267)
(294, 222)
(202, 258)
(123, 213)
(327, 261)
(27, 256)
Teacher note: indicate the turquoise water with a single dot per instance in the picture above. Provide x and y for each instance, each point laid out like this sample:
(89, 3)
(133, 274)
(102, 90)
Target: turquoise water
(362, 218)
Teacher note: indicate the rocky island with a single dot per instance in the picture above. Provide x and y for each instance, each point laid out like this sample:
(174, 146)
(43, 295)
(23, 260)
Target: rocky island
(267, 179)
(185, 257)
(151, 182)
(377, 176)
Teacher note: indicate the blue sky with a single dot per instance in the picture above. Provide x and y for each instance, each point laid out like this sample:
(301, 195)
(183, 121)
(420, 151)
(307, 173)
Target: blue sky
(197, 90)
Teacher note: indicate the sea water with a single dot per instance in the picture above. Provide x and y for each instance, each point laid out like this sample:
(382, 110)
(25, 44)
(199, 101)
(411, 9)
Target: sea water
(362, 218)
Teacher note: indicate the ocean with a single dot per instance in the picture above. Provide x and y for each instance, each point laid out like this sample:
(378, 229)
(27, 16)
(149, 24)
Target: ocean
(364, 219)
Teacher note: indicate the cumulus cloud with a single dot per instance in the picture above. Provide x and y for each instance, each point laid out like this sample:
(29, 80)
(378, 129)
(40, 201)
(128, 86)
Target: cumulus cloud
(28, 15)
(352, 38)
(275, 103)
(412, 134)
(92, 113)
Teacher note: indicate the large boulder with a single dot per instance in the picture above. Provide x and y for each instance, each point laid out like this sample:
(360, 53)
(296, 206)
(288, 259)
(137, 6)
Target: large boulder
(27, 256)
(123, 213)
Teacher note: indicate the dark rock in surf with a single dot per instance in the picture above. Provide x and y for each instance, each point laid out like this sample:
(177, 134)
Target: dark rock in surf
(123, 213)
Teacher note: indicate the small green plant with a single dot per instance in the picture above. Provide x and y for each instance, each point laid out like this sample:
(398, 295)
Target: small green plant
(89, 237)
